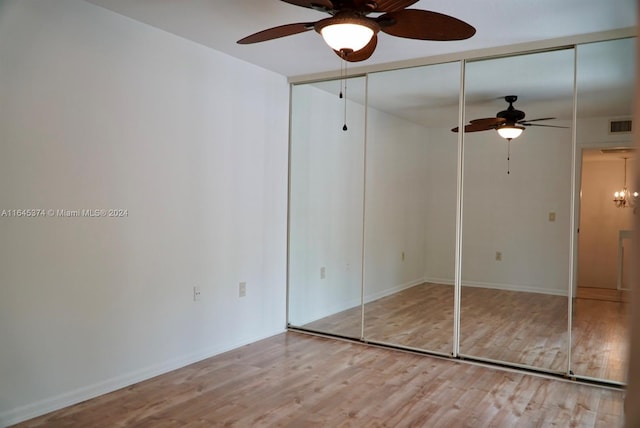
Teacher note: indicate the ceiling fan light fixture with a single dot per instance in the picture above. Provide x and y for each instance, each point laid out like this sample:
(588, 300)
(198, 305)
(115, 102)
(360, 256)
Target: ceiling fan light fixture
(509, 132)
(347, 33)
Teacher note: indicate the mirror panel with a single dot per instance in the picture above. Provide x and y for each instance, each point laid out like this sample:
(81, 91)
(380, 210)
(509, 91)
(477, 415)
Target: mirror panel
(410, 222)
(516, 253)
(382, 250)
(605, 86)
(326, 207)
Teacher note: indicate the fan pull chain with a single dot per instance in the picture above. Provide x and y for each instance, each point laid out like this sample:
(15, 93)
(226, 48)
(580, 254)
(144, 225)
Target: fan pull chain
(344, 80)
(341, 76)
(344, 127)
(508, 155)
(343, 89)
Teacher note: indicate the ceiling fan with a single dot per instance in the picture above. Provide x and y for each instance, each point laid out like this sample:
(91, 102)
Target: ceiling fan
(352, 33)
(509, 123)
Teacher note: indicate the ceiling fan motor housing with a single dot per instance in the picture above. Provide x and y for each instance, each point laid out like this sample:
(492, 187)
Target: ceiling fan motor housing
(348, 17)
(511, 115)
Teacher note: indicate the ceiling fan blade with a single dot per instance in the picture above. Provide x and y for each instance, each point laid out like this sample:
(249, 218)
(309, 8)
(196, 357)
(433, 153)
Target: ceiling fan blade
(362, 54)
(424, 25)
(484, 124)
(488, 121)
(537, 120)
(324, 5)
(474, 128)
(277, 32)
(546, 126)
(386, 5)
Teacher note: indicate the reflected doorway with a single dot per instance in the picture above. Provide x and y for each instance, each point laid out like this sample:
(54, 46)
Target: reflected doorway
(600, 310)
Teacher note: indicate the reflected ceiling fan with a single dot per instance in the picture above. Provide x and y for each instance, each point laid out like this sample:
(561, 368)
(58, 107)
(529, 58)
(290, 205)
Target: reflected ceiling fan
(352, 33)
(509, 123)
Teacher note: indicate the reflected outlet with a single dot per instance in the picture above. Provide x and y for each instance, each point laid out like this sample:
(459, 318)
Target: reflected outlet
(499, 256)
(196, 294)
(242, 289)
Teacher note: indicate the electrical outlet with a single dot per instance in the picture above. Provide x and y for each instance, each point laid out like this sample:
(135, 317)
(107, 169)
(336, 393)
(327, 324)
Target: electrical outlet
(552, 216)
(242, 289)
(323, 272)
(498, 256)
(196, 293)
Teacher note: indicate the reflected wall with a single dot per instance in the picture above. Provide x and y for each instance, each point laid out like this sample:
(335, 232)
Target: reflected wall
(326, 207)
(411, 181)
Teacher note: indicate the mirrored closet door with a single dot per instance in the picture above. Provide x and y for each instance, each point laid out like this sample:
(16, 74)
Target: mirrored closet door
(326, 207)
(410, 222)
(379, 212)
(516, 223)
(605, 86)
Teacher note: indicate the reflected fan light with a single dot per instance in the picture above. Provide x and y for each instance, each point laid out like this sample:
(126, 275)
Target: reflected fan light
(347, 36)
(510, 132)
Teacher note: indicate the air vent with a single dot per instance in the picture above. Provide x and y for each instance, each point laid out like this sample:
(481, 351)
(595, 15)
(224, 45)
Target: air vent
(619, 126)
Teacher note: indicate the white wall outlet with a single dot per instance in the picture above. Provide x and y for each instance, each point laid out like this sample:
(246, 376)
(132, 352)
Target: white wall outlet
(323, 272)
(552, 216)
(242, 289)
(196, 293)
(498, 256)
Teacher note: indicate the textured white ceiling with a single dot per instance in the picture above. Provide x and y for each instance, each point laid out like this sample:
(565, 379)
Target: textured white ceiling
(220, 23)
(543, 82)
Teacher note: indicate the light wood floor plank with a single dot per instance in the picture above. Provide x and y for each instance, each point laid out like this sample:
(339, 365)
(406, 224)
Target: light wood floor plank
(298, 380)
(515, 327)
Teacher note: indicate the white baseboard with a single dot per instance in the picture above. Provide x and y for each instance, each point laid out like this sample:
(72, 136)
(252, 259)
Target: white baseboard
(443, 281)
(498, 286)
(512, 287)
(393, 290)
(88, 392)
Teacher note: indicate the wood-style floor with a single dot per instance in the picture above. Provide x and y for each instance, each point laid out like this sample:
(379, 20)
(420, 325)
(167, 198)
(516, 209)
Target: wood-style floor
(298, 380)
(514, 327)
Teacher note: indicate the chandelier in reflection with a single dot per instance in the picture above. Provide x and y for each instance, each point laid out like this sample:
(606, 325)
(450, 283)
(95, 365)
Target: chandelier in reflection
(624, 198)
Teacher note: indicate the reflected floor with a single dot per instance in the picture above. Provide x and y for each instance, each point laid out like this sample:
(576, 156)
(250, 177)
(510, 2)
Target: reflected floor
(517, 327)
(600, 339)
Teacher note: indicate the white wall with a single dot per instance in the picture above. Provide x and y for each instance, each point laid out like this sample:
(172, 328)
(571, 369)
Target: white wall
(327, 174)
(396, 204)
(99, 111)
(326, 203)
(441, 190)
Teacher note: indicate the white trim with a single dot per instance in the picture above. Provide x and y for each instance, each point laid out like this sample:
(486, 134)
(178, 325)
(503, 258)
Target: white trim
(79, 395)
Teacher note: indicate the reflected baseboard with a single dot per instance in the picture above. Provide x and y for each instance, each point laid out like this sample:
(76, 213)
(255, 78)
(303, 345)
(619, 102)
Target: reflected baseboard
(498, 286)
(368, 298)
(604, 294)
